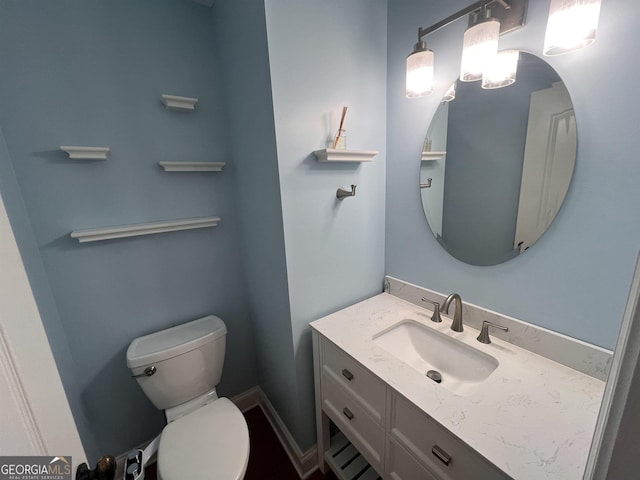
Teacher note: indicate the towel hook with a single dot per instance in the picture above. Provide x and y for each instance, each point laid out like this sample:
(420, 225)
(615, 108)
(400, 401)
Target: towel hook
(342, 193)
(426, 185)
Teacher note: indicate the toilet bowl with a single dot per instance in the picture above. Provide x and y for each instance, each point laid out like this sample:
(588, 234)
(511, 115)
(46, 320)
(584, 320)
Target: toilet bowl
(178, 369)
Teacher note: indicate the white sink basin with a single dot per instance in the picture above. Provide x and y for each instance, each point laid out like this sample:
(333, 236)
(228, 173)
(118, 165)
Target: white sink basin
(461, 366)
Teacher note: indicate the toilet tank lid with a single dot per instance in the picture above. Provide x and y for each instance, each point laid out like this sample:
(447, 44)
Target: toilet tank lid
(174, 341)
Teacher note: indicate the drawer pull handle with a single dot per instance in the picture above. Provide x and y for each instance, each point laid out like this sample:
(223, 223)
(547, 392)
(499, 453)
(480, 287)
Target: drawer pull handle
(347, 374)
(348, 413)
(443, 456)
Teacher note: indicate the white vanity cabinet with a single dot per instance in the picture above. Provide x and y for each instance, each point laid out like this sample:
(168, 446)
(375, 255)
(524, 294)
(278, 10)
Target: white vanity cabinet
(531, 418)
(435, 448)
(398, 440)
(403, 466)
(355, 400)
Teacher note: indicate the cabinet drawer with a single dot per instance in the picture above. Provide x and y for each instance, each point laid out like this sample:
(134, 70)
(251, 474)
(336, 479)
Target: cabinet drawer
(437, 449)
(362, 430)
(365, 387)
(402, 466)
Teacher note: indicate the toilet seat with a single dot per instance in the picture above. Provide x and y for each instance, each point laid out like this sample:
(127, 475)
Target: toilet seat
(206, 444)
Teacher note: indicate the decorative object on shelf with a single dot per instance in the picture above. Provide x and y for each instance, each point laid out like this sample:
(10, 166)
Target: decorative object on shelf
(192, 166)
(339, 155)
(109, 233)
(342, 193)
(173, 102)
(430, 156)
(340, 141)
(86, 153)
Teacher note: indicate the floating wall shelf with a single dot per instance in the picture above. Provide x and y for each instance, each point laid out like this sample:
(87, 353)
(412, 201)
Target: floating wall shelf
(185, 104)
(192, 166)
(341, 155)
(86, 153)
(428, 156)
(110, 233)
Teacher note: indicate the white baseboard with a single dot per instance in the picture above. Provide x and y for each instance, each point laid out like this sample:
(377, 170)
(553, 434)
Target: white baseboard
(305, 463)
(247, 400)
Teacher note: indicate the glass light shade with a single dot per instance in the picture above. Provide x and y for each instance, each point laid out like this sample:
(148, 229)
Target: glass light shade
(420, 73)
(450, 94)
(479, 47)
(572, 24)
(502, 70)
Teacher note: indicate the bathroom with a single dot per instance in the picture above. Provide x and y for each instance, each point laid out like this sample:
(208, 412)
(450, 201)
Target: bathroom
(271, 79)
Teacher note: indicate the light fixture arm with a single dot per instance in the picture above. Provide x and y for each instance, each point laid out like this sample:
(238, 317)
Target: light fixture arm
(473, 8)
(505, 4)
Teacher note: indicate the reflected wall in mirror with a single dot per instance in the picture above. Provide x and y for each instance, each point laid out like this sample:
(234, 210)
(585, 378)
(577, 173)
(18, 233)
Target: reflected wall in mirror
(499, 163)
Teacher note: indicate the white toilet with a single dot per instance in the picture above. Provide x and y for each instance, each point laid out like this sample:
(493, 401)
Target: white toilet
(178, 369)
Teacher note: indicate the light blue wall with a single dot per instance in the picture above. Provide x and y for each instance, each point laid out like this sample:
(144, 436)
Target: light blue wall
(91, 73)
(575, 279)
(23, 232)
(242, 46)
(324, 55)
(287, 198)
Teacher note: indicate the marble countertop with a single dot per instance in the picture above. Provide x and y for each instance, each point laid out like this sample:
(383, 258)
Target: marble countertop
(532, 417)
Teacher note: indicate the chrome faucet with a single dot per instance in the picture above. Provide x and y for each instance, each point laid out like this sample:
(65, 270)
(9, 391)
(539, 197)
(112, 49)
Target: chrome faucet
(456, 325)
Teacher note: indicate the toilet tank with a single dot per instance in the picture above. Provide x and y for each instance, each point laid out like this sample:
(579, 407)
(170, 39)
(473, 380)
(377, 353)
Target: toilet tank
(187, 361)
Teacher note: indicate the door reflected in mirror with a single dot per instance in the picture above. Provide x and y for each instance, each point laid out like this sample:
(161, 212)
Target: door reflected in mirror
(499, 164)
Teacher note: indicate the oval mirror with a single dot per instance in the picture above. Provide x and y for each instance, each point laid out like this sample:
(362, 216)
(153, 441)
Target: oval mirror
(497, 163)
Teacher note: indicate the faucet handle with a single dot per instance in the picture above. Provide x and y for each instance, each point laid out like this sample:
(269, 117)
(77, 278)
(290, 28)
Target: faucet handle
(436, 310)
(484, 332)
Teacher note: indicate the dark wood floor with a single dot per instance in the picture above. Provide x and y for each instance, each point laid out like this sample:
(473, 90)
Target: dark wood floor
(267, 458)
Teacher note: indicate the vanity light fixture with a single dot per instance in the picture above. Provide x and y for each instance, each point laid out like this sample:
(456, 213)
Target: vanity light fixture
(420, 71)
(501, 71)
(480, 45)
(450, 94)
(571, 25)
(503, 17)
